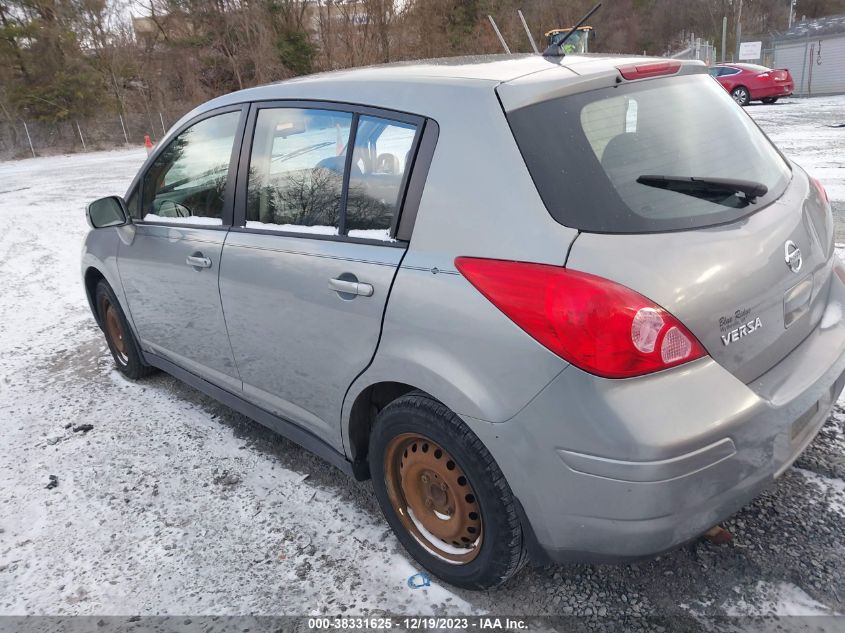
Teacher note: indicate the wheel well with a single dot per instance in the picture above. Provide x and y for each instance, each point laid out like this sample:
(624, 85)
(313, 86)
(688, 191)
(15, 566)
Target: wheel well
(92, 278)
(365, 409)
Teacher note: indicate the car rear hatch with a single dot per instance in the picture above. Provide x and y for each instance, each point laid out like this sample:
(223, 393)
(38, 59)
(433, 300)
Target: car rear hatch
(780, 77)
(746, 270)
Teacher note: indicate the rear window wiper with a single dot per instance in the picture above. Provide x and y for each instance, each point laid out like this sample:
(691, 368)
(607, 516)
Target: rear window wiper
(713, 186)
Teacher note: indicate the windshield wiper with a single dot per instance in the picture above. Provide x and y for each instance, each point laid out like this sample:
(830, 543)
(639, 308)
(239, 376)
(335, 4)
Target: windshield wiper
(712, 186)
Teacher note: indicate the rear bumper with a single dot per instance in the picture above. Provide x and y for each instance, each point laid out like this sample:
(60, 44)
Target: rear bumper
(624, 469)
(778, 90)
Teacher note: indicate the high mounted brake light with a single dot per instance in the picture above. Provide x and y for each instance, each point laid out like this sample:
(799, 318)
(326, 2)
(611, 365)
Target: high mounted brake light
(596, 324)
(649, 69)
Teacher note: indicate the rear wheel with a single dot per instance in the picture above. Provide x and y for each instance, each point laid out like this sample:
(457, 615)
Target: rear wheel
(443, 494)
(122, 344)
(741, 95)
(769, 100)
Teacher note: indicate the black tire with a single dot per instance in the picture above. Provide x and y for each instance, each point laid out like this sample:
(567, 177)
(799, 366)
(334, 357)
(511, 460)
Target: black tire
(122, 344)
(741, 95)
(501, 553)
(769, 100)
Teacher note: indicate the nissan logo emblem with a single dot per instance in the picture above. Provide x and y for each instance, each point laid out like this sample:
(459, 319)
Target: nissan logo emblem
(792, 256)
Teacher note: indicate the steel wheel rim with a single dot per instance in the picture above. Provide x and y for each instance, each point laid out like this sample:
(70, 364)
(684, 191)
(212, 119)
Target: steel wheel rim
(433, 498)
(739, 96)
(114, 331)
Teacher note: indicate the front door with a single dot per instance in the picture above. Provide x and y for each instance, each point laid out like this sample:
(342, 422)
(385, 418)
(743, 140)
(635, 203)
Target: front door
(305, 279)
(182, 208)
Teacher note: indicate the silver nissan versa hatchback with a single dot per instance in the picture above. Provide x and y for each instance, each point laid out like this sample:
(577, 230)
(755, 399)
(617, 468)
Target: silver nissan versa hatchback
(567, 309)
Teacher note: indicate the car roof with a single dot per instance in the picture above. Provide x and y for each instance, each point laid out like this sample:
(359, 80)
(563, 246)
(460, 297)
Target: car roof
(497, 68)
(424, 86)
(449, 71)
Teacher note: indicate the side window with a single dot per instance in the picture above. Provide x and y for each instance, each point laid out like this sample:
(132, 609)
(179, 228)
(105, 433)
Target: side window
(296, 170)
(380, 160)
(186, 184)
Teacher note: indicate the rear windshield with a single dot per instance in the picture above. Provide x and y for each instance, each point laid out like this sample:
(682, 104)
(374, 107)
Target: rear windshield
(587, 151)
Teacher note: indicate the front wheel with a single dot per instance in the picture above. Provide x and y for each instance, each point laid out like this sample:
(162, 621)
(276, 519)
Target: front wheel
(444, 495)
(122, 344)
(741, 95)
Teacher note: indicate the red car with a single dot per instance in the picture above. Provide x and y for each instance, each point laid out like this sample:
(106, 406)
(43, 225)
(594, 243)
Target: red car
(750, 82)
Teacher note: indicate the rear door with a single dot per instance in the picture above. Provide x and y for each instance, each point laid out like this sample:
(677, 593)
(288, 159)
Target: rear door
(308, 267)
(723, 262)
(182, 209)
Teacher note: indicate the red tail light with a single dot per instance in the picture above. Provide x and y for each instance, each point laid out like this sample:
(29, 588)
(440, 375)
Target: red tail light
(820, 189)
(595, 324)
(649, 69)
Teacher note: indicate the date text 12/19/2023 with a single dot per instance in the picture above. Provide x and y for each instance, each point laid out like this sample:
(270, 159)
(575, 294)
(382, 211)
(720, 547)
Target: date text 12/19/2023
(408, 623)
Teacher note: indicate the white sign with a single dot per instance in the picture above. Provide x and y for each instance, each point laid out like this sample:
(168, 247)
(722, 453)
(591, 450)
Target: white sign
(750, 51)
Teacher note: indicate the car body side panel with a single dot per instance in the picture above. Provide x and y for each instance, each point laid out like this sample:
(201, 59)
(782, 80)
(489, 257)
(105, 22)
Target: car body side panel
(442, 336)
(298, 344)
(176, 307)
(99, 251)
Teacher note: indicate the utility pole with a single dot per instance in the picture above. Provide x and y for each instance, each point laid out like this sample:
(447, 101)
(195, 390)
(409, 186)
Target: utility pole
(499, 34)
(738, 29)
(528, 31)
(724, 36)
(791, 11)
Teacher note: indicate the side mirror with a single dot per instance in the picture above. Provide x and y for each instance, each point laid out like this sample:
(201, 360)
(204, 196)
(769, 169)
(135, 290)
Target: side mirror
(109, 211)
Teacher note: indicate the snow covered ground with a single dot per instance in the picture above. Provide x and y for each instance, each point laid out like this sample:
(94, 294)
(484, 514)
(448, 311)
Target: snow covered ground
(803, 130)
(173, 504)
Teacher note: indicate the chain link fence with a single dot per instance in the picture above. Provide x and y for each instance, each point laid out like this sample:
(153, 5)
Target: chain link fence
(698, 48)
(24, 138)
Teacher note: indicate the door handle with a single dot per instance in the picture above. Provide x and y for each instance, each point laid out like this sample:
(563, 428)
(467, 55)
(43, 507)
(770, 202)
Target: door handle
(351, 287)
(198, 261)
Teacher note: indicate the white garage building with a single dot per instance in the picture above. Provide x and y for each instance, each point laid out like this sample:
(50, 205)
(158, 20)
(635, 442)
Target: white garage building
(814, 52)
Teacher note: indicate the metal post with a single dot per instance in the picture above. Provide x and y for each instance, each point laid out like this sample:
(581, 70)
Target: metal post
(724, 36)
(81, 138)
(163, 130)
(804, 63)
(499, 34)
(527, 31)
(125, 135)
(29, 138)
(738, 29)
(791, 11)
(811, 64)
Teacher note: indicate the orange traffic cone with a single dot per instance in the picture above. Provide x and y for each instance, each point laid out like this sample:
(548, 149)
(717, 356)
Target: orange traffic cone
(148, 144)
